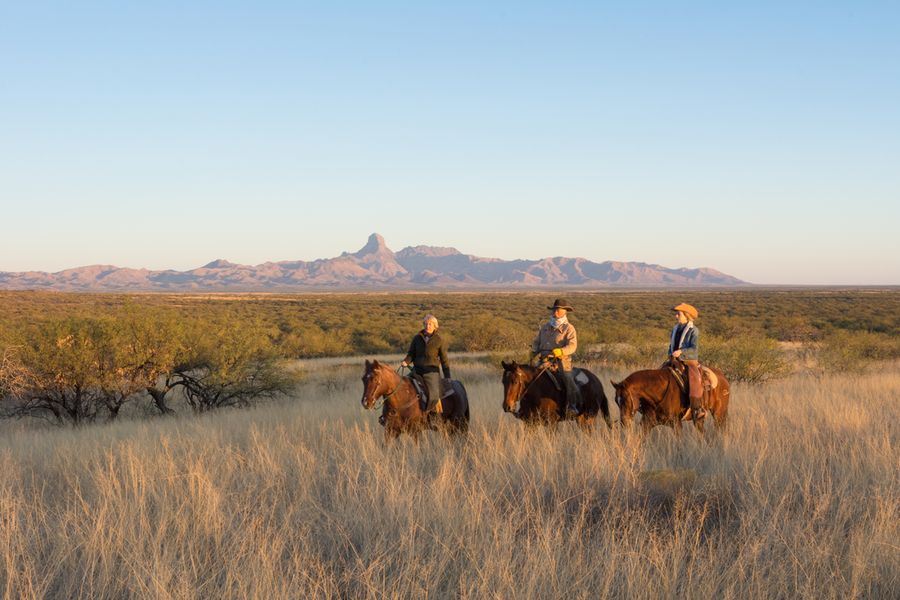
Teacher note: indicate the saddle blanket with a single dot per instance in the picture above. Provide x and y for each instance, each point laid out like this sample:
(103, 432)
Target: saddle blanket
(581, 378)
(422, 392)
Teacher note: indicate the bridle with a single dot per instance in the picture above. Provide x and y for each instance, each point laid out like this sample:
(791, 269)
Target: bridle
(383, 397)
(627, 401)
(530, 383)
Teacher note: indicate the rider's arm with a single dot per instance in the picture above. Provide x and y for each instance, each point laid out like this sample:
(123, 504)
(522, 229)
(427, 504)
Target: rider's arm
(690, 349)
(445, 362)
(571, 342)
(409, 354)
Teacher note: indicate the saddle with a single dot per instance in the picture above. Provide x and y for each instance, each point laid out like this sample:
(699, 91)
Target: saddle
(708, 378)
(422, 392)
(577, 374)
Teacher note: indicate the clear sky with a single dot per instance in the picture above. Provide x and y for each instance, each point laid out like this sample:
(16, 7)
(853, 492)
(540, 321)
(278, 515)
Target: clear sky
(758, 138)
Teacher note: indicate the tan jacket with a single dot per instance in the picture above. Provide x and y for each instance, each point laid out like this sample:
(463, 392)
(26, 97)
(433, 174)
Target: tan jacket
(563, 337)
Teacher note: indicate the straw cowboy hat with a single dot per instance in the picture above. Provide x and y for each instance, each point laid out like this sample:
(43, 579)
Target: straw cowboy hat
(689, 311)
(560, 303)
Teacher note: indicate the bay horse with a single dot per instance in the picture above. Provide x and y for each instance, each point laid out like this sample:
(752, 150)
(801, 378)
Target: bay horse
(656, 394)
(540, 401)
(402, 412)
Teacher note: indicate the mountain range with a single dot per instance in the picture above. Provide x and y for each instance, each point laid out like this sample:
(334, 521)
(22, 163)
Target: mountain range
(375, 266)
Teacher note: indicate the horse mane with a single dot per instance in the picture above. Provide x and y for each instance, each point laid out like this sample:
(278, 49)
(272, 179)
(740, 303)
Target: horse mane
(646, 374)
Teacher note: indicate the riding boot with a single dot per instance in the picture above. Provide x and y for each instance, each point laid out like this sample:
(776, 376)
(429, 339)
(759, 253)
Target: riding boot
(695, 388)
(698, 408)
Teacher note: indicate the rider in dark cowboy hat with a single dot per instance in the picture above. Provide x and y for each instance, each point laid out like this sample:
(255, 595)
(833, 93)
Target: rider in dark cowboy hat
(557, 340)
(428, 355)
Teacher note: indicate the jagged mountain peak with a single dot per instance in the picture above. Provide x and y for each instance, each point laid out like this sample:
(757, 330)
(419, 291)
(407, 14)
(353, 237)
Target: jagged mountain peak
(219, 263)
(375, 245)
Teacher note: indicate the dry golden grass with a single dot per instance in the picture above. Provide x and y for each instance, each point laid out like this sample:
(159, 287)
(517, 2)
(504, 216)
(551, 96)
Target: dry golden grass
(302, 500)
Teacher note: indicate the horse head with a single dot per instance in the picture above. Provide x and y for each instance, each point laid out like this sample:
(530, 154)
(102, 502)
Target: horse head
(375, 383)
(625, 400)
(514, 381)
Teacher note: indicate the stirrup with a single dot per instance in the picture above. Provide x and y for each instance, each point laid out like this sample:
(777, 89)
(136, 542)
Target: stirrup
(700, 413)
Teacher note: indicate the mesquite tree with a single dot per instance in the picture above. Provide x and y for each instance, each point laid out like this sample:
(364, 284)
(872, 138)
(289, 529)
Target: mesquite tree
(230, 364)
(78, 370)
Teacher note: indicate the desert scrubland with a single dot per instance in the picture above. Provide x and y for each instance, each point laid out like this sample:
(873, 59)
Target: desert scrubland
(298, 496)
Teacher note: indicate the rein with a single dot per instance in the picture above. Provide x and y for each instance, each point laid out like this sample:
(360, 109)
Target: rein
(531, 383)
(384, 397)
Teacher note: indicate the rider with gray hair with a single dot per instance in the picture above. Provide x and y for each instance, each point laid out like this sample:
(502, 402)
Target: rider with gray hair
(428, 355)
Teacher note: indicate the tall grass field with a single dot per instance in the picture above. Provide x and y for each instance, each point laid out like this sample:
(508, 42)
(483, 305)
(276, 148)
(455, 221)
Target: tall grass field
(301, 498)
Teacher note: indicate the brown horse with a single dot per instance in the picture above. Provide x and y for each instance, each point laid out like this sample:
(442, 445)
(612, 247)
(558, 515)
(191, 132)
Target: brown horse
(402, 411)
(655, 393)
(541, 401)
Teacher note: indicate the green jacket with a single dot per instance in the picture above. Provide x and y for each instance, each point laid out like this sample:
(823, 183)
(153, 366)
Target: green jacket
(430, 356)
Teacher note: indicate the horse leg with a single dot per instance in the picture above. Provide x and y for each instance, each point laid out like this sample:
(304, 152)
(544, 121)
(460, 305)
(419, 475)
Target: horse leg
(648, 420)
(720, 415)
(698, 423)
(459, 423)
(586, 422)
(391, 433)
(454, 417)
(722, 420)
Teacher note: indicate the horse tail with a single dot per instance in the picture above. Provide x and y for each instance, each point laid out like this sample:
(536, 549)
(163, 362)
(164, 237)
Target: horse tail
(604, 406)
(461, 422)
(602, 400)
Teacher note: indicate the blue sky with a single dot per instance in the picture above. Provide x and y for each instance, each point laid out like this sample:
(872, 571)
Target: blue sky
(762, 140)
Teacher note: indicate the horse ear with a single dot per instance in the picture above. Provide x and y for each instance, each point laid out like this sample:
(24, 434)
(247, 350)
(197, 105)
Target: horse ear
(615, 385)
(375, 363)
(368, 364)
(505, 365)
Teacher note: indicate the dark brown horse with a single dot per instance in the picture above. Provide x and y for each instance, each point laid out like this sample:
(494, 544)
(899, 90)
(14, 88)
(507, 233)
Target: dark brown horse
(402, 411)
(540, 400)
(656, 394)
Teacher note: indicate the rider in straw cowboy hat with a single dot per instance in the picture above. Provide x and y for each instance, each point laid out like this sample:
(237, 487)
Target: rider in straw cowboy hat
(684, 345)
(556, 339)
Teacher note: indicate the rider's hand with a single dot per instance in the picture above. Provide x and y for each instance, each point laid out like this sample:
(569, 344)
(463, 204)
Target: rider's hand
(676, 354)
(557, 353)
(404, 364)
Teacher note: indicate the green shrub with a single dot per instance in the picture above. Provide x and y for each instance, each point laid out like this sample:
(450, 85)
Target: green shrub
(487, 333)
(843, 350)
(642, 355)
(745, 358)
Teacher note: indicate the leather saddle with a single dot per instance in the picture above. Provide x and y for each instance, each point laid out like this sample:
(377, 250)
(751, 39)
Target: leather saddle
(708, 378)
(422, 392)
(577, 374)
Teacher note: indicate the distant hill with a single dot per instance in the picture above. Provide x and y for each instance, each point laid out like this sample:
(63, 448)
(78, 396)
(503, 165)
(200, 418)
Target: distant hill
(375, 266)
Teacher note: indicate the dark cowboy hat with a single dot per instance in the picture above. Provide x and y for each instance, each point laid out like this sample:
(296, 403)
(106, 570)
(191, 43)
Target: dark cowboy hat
(560, 303)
